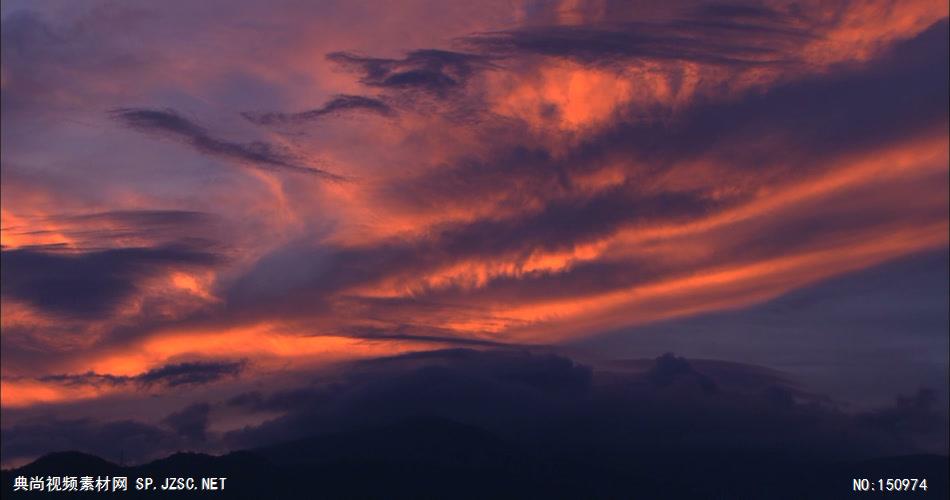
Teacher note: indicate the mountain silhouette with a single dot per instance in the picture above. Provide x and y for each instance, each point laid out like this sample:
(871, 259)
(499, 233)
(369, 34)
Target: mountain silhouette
(430, 457)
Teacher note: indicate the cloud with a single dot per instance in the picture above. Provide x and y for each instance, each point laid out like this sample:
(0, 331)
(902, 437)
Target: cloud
(90, 283)
(113, 440)
(148, 218)
(544, 207)
(690, 41)
(568, 222)
(560, 225)
(169, 376)
(98, 229)
(738, 11)
(191, 422)
(560, 172)
(191, 373)
(672, 404)
(540, 400)
(168, 123)
(670, 370)
(337, 105)
(429, 70)
(119, 441)
(49, 65)
(404, 332)
(808, 120)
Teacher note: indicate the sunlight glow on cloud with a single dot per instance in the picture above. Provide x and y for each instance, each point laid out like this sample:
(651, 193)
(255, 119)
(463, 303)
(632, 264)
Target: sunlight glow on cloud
(534, 173)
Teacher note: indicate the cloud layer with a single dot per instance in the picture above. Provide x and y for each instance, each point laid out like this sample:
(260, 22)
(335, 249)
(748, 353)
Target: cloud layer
(667, 406)
(300, 186)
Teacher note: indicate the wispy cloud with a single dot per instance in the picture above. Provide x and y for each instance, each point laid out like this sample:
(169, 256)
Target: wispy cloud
(515, 178)
(171, 375)
(168, 123)
(338, 105)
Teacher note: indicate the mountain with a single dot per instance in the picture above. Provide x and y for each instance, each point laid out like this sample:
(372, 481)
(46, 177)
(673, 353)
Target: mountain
(438, 458)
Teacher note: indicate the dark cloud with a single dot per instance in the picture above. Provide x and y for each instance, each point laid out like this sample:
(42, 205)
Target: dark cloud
(670, 370)
(673, 404)
(710, 375)
(90, 283)
(670, 406)
(191, 422)
(734, 11)
(158, 218)
(168, 123)
(417, 333)
(797, 232)
(818, 117)
(433, 71)
(564, 223)
(91, 378)
(171, 375)
(337, 105)
(808, 120)
(198, 372)
(829, 335)
(118, 441)
(97, 227)
(458, 382)
(732, 38)
(131, 440)
(560, 225)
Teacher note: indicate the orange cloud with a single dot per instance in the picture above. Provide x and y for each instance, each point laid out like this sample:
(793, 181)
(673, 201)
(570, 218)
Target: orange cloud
(406, 241)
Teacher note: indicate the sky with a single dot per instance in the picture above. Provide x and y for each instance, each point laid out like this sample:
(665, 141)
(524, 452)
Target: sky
(211, 210)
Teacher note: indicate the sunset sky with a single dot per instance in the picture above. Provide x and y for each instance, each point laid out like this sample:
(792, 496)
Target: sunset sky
(203, 201)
